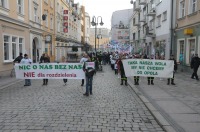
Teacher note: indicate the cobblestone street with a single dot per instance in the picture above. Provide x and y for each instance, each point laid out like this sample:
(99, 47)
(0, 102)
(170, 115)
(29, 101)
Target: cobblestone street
(55, 107)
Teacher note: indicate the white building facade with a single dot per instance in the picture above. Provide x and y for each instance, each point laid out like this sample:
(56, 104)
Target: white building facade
(153, 21)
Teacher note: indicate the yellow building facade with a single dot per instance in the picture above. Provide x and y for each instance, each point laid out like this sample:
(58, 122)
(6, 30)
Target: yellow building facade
(14, 31)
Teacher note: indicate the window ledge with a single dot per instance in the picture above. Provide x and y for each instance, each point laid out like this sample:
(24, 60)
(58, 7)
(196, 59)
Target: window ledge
(164, 20)
(192, 14)
(21, 15)
(181, 18)
(8, 62)
(4, 8)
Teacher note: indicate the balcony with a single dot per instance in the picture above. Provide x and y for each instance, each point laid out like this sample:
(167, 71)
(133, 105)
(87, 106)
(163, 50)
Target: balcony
(136, 6)
(151, 10)
(150, 33)
(143, 18)
(142, 2)
(136, 21)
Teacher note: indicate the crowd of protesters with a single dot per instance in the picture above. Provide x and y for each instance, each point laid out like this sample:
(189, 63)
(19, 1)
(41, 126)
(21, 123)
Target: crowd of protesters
(114, 59)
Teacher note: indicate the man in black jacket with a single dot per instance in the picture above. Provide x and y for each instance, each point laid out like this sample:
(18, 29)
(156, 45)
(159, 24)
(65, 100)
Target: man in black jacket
(19, 58)
(45, 59)
(195, 65)
(175, 68)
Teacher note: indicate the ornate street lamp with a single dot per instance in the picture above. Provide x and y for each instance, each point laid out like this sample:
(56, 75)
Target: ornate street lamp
(95, 23)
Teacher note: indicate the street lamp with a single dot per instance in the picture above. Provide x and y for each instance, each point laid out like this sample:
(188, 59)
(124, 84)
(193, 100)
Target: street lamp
(99, 36)
(95, 23)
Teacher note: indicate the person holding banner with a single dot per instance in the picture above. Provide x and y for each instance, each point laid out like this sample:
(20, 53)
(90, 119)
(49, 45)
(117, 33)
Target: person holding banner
(122, 72)
(150, 79)
(89, 69)
(82, 61)
(44, 59)
(175, 68)
(26, 60)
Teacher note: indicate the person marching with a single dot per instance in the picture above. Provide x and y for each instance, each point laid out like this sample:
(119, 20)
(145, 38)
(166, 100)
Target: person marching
(195, 66)
(137, 78)
(150, 79)
(64, 79)
(122, 72)
(89, 73)
(44, 59)
(83, 59)
(26, 60)
(175, 68)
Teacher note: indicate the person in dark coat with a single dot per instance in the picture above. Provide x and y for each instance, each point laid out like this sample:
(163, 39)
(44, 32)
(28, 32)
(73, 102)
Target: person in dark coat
(45, 59)
(19, 58)
(150, 79)
(195, 66)
(175, 68)
(122, 72)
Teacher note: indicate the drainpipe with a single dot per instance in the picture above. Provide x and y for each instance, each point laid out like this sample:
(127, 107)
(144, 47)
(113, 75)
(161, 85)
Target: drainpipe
(172, 30)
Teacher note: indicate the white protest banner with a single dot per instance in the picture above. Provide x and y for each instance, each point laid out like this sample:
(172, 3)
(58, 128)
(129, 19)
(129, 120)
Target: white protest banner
(149, 68)
(90, 64)
(50, 71)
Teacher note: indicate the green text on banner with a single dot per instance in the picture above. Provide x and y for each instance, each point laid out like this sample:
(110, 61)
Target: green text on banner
(149, 68)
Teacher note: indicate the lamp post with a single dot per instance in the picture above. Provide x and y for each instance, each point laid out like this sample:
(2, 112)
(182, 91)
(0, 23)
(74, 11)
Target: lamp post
(99, 36)
(95, 23)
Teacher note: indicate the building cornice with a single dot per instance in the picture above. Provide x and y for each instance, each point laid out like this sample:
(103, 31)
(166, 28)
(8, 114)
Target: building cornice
(187, 26)
(13, 21)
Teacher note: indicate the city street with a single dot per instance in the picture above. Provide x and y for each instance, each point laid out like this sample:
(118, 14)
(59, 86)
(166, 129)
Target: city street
(55, 107)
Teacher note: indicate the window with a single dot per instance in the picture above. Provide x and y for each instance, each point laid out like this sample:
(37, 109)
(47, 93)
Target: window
(6, 47)
(182, 9)
(151, 26)
(20, 5)
(51, 22)
(58, 8)
(159, 21)
(51, 4)
(46, 20)
(20, 45)
(14, 47)
(164, 15)
(35, 14)
(58, 26)
(193, 6)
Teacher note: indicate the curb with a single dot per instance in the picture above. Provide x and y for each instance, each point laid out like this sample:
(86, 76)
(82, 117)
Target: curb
(10, 84)
(155, 113)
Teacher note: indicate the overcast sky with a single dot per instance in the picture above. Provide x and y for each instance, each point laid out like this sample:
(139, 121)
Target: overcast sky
(104, 8)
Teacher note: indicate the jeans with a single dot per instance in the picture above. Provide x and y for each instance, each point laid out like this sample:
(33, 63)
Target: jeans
(27, 81)
(89, 85)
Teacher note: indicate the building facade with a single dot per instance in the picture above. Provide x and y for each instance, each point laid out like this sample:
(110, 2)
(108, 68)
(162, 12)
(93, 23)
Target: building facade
(120, 31)
(187, 31)
(14, 32)
(103, 37)
(35, 27)
(154, 21)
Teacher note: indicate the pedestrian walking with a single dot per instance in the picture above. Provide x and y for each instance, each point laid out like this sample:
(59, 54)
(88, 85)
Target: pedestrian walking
(45, 59)
(195, 66)
(83, 59)
(175, 68)
(150, 79)
(89, 73)
(26, 60)
(64, 79)
(122, 72)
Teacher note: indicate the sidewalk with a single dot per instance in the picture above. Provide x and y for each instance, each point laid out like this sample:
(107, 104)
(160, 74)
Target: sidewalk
(179, 104)
(8, 81)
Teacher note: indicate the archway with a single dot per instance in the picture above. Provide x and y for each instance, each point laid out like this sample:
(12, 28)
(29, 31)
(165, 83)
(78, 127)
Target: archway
(35, 50)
